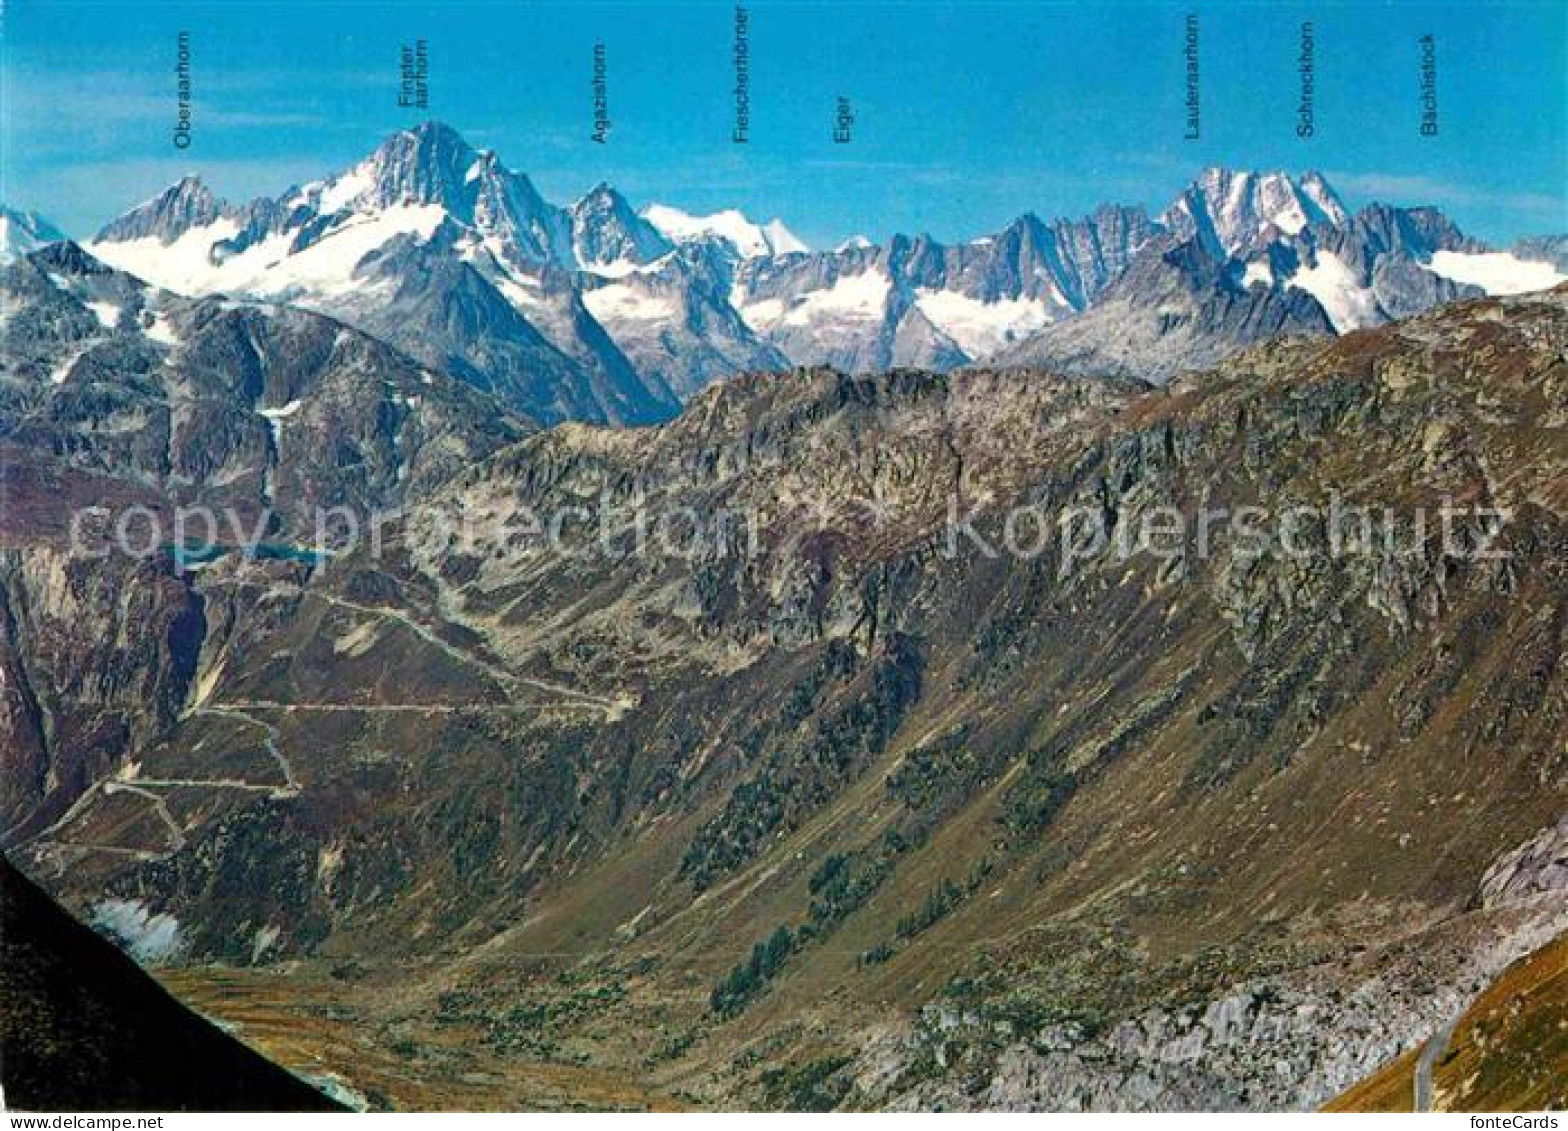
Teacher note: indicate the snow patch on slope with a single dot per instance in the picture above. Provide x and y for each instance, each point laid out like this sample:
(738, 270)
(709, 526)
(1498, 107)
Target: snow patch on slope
(1496, 272)
(268, 269)
(282, 413)
(749, 240)
(276, 417)
(620, 268)
(149, 938)
(620, 303)
(1348, 304)
(522, 292)
(326, 267)
(107, 313)
(851, 298)
(981, 328)
(339, 194)
(1258, 271)
(184, 266)
(161, 330)
(62, 370)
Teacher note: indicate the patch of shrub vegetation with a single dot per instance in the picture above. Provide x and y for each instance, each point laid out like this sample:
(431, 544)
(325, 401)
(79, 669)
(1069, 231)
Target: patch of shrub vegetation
(533, 1025)
(844, 881)
(877, 954)
(833, 866)
(936, 776)
(801, 773)
(1040, 793)
(814, 1086)
(838, 663)
(938, 904)
(946, 896)
(673, 1048)
(1027, 1017)
(746, 982)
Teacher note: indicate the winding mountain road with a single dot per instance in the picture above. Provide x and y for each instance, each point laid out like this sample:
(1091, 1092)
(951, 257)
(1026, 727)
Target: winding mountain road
(611, 709)
(1430, 1053)
(290, 787)
(566, 701)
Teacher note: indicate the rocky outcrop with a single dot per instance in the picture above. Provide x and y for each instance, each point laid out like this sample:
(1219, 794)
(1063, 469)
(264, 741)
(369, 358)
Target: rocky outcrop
(1285, 1042)
(1536, 869)
(1177, 307)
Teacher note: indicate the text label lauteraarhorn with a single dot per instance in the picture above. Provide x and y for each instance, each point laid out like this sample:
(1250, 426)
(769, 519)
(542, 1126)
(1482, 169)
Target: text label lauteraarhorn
(1190, 57)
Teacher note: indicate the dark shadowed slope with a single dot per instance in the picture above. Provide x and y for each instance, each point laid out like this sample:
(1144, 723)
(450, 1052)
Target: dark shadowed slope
(83, 1027)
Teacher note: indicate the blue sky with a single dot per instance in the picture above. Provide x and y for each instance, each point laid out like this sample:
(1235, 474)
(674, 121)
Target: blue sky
(968, 113)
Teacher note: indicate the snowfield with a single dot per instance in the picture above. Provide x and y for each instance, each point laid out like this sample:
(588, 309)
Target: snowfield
(749, 240)
(268, 269)
(621, 303)
(851, 298)
(1348, 304)
(1496, 272)
(981, 328)
(149, 938)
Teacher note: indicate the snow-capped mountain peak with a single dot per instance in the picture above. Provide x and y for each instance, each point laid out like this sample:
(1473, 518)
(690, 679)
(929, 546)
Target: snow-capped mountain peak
(429, 164)
(433, 245)
(781, 239)
(750, 240)
(1321, 194)
(414, 180)
(609, 237)
(185, 204)
(22, 232)
(425, 164)
(1234, 211)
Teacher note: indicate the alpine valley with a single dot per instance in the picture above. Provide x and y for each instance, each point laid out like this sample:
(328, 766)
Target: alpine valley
(842, 801)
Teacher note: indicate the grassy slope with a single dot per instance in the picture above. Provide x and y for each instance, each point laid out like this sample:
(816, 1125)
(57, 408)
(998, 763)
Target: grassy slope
(1508, 1053)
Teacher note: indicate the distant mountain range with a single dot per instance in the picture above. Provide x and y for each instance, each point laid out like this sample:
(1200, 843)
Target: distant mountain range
(263, 406)
(602, 313)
